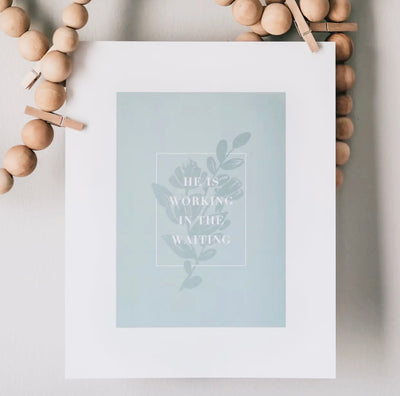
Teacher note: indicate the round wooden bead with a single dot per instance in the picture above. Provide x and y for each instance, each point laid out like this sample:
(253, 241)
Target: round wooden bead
(276, 19)
(345, 78)
(248, 36)
(5, 4)
(344, 46)
(6, 181)
(340, 10)
(14, 21)
(82, 1)
(339, 178)
(224, 2)
(75, 16)
(314, 10)
(33, 45)
(37, 134)
(50, 96)
(247, 12)
(20, 161)
(342, 153)
(344, 105)
(65, 39)
(344, 128)
(56, 66)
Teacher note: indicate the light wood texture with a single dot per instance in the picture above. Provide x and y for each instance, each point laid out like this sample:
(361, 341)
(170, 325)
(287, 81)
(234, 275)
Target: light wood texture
(345, 78)
(50, 96)
(56, 66)
(14, 21)
(344, 46)
(334, 27)
(342, 153)
(339, 178)
(314, 10)
(37, 134)
(82, 1)
(344, 128)
(276, 19)
(6, 181)
(248, 36)
(344, 105)
(20, 161)
(33, 45)
(302, 26)
(340, 10)
(65, 39)
(5, 4)
(224, 2)
(247, 12)
(54, 119)
(259, 29)
(75, 16)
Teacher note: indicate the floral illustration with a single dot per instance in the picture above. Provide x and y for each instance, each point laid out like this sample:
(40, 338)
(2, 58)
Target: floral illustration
(198, 200)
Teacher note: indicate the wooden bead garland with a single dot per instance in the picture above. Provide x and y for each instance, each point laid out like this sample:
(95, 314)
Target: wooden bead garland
(275, 18)
(50, 95)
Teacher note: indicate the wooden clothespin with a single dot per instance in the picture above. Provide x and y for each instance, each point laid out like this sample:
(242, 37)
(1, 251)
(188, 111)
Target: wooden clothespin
(334, 27)
(54, 119)
(30, 78)
(302, 26)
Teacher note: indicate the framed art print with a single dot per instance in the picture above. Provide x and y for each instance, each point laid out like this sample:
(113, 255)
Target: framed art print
(200, 234)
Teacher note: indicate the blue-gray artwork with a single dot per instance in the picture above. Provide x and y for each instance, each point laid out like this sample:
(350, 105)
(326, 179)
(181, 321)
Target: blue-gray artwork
(201, 210)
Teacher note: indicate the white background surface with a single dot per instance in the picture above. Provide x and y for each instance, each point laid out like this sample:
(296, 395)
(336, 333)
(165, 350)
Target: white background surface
(32, 217)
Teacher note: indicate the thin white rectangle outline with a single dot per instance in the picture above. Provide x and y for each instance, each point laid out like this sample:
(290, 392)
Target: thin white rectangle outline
(245, 218)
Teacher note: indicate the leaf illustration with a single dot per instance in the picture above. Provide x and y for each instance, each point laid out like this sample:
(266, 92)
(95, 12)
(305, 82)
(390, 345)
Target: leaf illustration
(162, 194)
(222, 179)
(211, 164)
(222, 149)
(181, 250)
(232, 163)
(237, 195)
(174, 181)
(241, 140)
(229, 188)
(191, 283)
(225, 225)
(207, 255)
(188, 267)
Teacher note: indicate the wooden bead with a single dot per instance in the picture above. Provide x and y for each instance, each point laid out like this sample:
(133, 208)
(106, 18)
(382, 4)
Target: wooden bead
(345, 78)
(344, 46)
(274, 1)
(37, 134)
(50, 96)
(20, 161)
(339, 178)
(342, 153)
(14, 21)
(344, 105)
(6, 181)
(276, 19)
(56, 66)
(340, 10)
(248, 36)
(75, 16)
(5, 4)
(344, 128)
(224, 2)
(82, 1)
(247, 12)
(314, 10)
(33, 45)
(66, 39)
